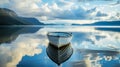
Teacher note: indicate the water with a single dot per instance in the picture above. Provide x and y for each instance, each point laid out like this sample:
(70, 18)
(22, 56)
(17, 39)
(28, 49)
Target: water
(93, 46)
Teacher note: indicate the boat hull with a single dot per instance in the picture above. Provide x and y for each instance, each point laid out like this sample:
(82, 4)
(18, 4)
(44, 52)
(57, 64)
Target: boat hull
(59, 40)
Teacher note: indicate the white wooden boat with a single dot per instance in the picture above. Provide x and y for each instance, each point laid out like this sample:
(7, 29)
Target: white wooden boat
(59, 39)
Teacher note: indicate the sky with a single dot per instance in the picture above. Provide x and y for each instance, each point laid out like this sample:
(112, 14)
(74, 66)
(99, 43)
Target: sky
(47, 10)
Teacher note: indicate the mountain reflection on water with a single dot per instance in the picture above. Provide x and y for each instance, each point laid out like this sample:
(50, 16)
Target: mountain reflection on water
(8, 34)
(26, 47)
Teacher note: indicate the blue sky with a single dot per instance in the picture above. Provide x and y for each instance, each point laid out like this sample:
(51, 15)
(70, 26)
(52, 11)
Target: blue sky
(45, 10)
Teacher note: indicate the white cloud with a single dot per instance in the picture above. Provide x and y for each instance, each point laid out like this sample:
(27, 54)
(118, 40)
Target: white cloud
(62, 10)
(2, 2)
(99, 14)
(60, 21)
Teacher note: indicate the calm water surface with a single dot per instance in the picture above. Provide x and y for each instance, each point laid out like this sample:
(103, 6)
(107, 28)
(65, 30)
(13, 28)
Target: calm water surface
(92, 46)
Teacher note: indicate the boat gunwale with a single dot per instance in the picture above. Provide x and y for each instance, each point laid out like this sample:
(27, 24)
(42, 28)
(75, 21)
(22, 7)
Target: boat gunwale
(69, 34)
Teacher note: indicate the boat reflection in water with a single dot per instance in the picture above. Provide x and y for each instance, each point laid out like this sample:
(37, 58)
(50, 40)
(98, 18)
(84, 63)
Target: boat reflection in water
(59, 49)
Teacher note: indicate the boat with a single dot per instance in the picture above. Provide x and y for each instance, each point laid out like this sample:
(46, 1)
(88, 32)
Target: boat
(59, 55)
(59, 39)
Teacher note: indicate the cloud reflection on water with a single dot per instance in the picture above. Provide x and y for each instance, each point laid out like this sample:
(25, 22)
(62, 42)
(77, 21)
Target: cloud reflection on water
(86, 37)
(26, 44)
(93, 58)
(90, 38)
(83, 38)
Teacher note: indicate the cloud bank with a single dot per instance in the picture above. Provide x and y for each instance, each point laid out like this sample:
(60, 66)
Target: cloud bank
(64, 9)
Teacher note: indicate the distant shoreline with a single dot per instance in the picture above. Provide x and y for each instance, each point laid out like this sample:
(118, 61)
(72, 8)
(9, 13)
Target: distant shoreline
(57, 26)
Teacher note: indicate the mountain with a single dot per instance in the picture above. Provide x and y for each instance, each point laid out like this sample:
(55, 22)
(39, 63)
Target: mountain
(105, 23)
(108, 29)
(32, 21)
(9, 17)
(101, 23)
